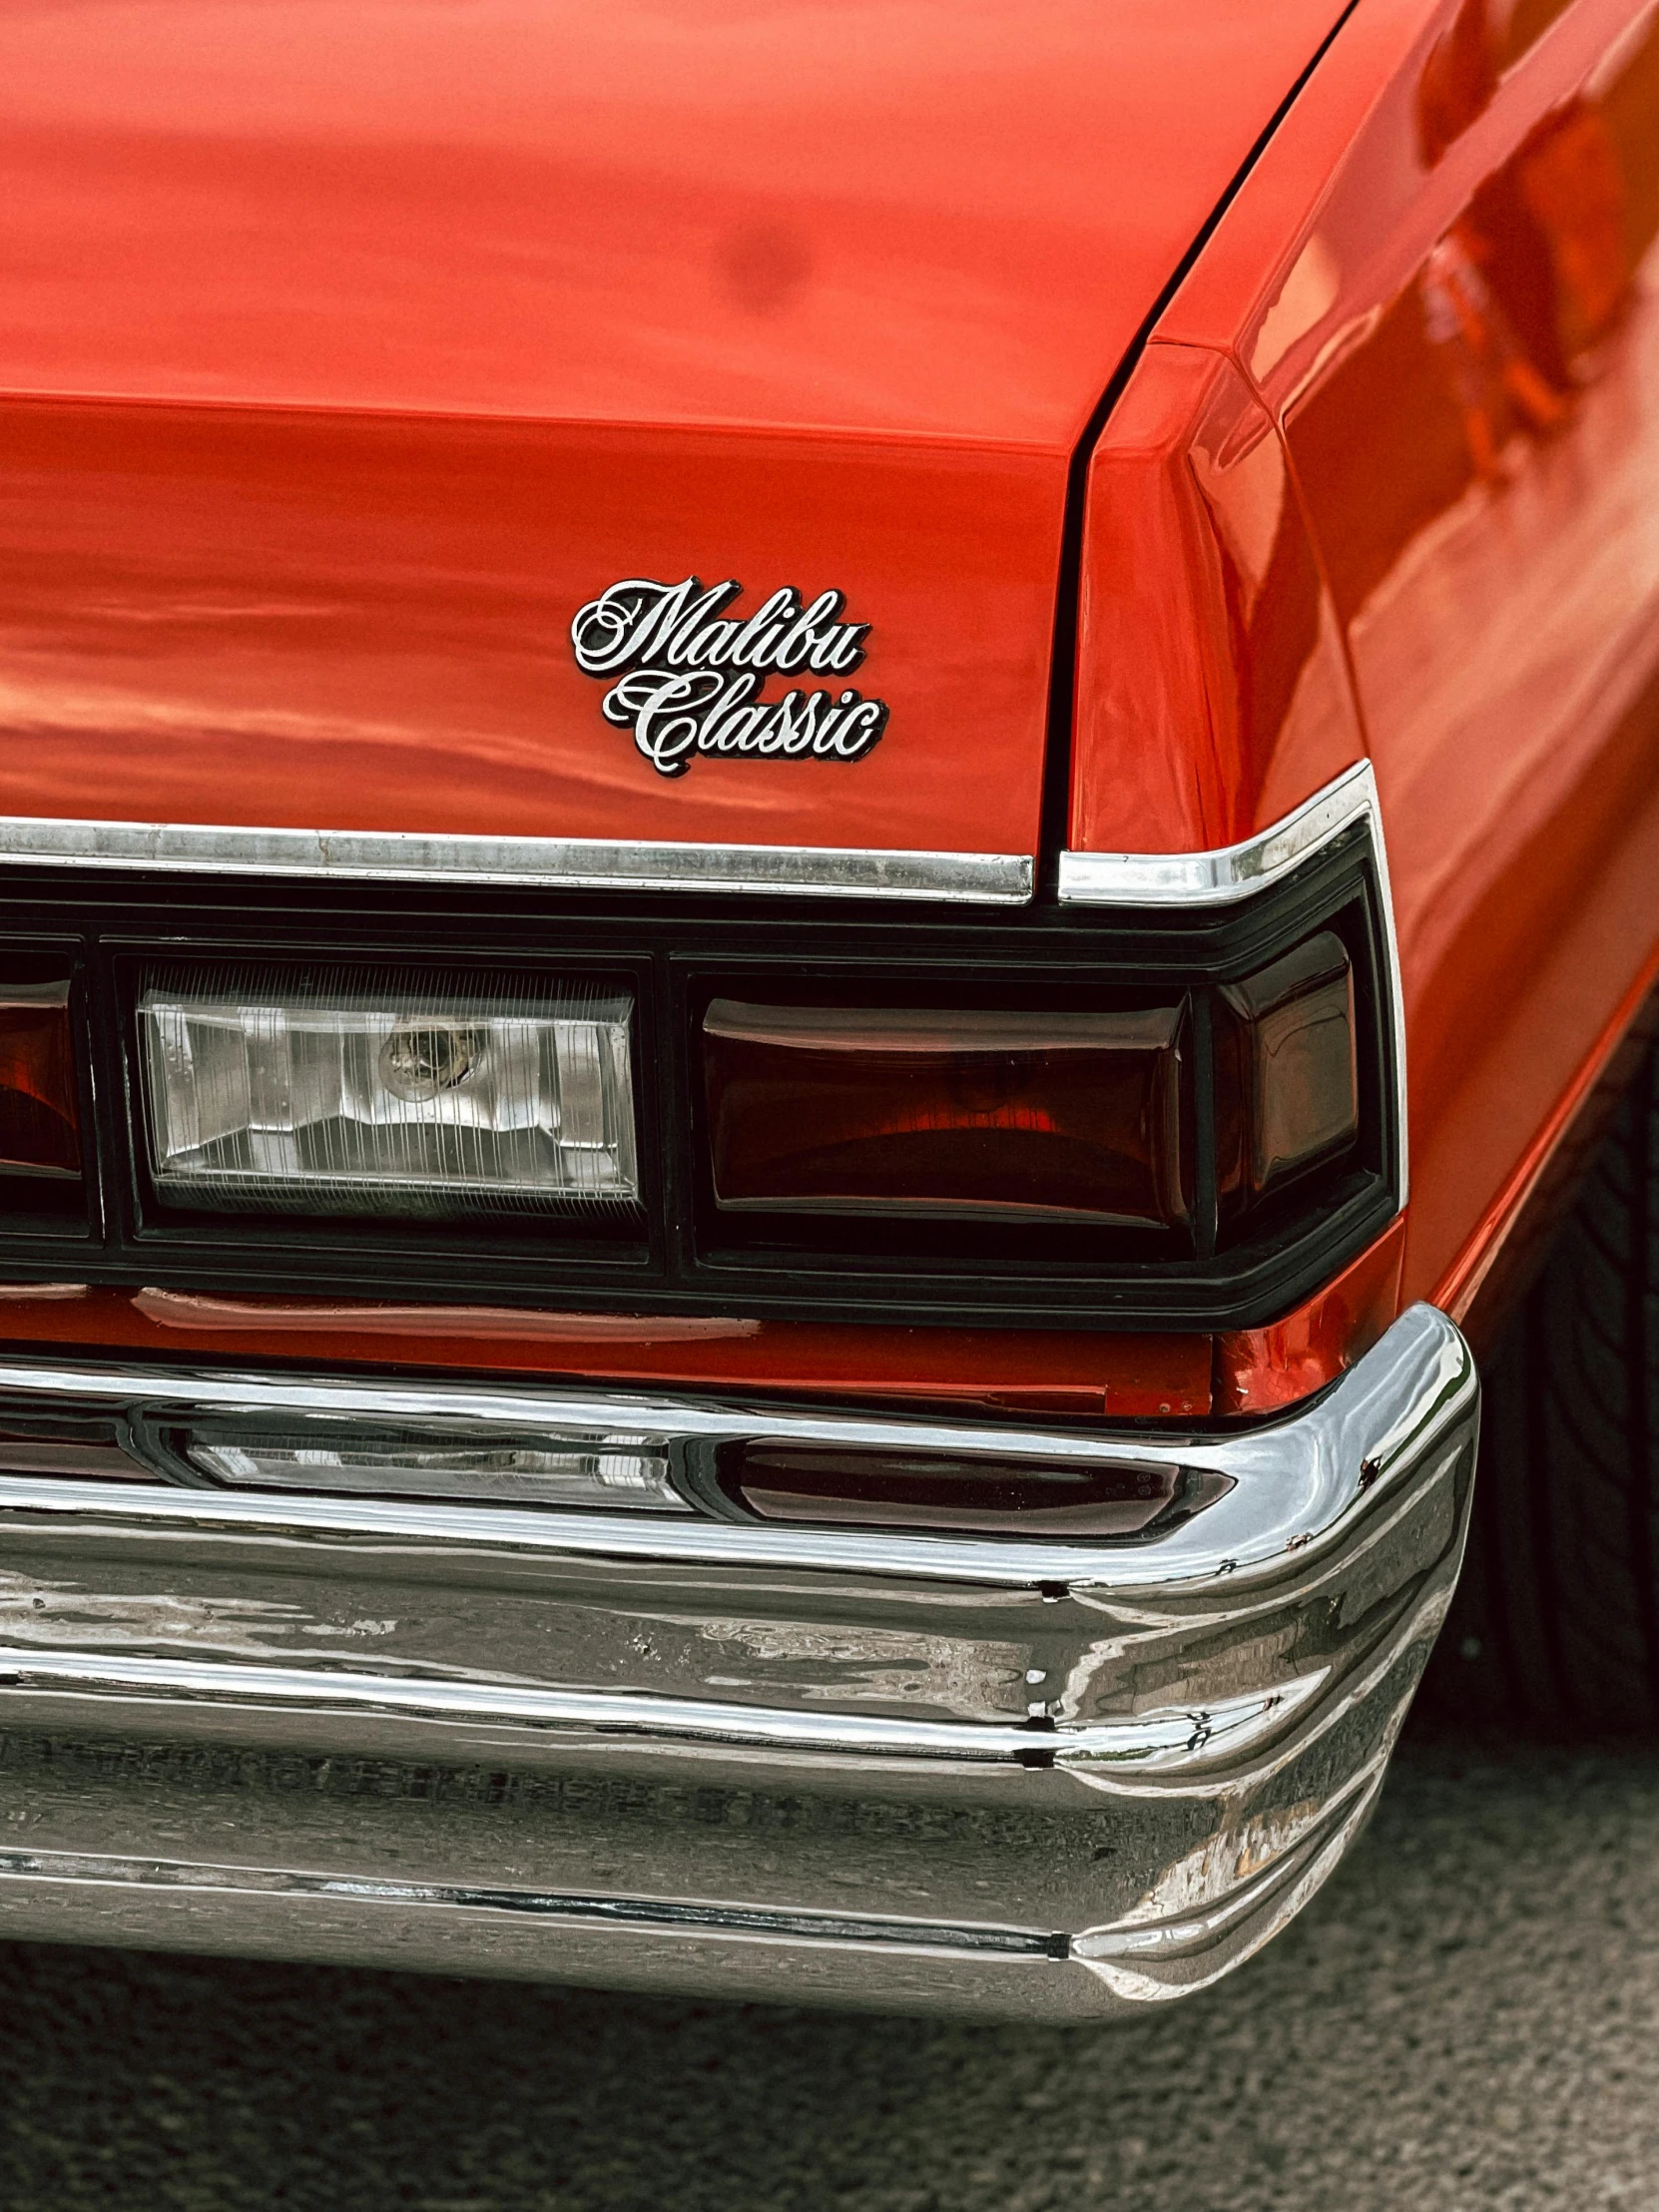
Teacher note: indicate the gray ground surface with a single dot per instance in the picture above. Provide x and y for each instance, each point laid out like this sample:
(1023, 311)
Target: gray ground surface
(1467, 2016)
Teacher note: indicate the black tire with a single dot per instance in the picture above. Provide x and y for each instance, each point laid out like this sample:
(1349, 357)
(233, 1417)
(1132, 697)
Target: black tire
(1556, 1621)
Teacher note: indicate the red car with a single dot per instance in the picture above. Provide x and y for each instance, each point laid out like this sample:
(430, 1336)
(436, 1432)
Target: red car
(825, 834)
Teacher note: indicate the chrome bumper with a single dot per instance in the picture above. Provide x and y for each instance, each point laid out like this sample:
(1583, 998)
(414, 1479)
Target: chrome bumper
(1019, 1777)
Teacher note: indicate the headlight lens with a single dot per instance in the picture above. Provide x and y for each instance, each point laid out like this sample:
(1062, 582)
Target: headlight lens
(399, 1098)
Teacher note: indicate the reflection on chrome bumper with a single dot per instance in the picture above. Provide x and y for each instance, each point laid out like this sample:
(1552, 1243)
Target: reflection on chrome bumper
(1035, 1779)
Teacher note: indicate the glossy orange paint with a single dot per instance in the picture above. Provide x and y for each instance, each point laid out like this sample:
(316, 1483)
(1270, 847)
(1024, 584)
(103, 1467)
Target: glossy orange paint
(1501, 1260)
(361, 620)
(1212, 692)
(1440, 284)
(1062, 1374)
(1069, 1374)
(1262, 1371)
(357, 345)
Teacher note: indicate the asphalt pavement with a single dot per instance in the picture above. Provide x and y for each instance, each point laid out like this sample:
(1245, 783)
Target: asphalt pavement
(1466, 2017)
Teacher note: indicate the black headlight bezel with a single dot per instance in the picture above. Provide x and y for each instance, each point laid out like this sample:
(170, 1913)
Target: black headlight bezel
(676, 1254)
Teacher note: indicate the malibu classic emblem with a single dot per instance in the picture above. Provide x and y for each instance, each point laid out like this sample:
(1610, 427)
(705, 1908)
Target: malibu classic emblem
(686, 675)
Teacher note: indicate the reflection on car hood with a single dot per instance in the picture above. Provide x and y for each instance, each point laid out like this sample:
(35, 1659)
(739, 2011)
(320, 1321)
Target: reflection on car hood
(802, 297)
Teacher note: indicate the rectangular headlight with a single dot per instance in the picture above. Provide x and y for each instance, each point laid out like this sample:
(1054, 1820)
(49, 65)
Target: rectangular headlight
(401, 1096)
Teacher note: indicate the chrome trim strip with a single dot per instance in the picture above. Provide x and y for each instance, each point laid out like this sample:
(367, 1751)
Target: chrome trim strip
(1237, 872)
(1292, 1480)
(566, 863)
(1170, 1738)
(1231, 871)
(754, 1923)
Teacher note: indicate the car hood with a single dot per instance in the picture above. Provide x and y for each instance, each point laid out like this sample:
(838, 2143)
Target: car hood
(358, 346)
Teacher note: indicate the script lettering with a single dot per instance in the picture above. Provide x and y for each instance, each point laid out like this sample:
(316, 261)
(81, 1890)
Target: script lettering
(686, 674)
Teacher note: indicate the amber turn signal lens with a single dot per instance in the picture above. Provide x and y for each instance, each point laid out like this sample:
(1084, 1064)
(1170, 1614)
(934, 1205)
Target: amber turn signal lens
(1287, 1077)
(1043, 1117)
(39, 1117)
